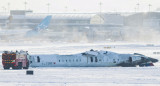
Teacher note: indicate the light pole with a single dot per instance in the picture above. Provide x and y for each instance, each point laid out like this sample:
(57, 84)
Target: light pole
(48, 7)
(135, 9)
(8, 7)
(25, 5)
(66, 8)
(149, 7)
(100, 7)
(138, 6)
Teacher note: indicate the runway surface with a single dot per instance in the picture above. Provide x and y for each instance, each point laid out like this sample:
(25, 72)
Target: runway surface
(84, 76)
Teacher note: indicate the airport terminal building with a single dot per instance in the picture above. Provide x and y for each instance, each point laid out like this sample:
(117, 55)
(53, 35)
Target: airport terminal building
(92, 26)
(22, 18)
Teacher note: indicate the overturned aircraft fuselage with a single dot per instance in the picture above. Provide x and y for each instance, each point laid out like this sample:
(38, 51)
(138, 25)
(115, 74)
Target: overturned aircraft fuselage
(90, 59)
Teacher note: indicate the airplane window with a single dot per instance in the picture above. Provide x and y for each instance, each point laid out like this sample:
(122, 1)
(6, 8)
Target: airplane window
(76, 60)
(73, 60)
(38, 59)
(96, 60)
(80, 60)
(130, 59)
(49, 63)
(59, 61)
(66, 60)
(99, 59)
(91, 59)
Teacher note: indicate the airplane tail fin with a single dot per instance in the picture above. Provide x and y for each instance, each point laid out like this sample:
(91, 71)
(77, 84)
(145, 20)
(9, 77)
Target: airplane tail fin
(44, 24)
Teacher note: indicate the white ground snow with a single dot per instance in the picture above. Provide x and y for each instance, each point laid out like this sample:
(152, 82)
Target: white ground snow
(83, 76)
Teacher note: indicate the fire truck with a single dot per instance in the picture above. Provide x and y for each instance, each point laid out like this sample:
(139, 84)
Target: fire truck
(16, 60)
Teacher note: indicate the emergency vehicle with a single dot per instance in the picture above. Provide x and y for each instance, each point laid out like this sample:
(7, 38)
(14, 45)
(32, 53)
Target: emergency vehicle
(16, 60)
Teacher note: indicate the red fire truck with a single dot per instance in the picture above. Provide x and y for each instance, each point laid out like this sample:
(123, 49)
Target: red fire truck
(16, 60)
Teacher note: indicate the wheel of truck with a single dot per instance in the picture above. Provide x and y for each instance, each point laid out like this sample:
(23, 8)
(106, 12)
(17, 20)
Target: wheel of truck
(6, 67)
(19, 65)
(14, 67)
(27, 65)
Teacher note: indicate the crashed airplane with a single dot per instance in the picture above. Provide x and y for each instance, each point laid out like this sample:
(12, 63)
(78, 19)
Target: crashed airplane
(92, 58)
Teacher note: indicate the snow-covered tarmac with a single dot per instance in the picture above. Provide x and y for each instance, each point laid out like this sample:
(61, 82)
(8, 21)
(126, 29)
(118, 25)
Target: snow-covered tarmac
(84, 76)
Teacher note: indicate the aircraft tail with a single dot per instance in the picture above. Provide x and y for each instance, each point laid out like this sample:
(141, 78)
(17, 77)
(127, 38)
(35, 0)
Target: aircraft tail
(44, 24)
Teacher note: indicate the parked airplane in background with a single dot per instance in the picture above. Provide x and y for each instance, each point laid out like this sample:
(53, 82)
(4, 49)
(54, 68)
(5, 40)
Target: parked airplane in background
(41, 27)
(90, 59)
(20, 33)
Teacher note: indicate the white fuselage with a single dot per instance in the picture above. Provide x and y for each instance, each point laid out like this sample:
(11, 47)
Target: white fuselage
(86, 59)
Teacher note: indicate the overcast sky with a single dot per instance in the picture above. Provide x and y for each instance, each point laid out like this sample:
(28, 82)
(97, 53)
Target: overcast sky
(40, 6)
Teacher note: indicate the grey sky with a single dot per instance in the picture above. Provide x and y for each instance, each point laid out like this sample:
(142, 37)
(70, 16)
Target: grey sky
(40, 6)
